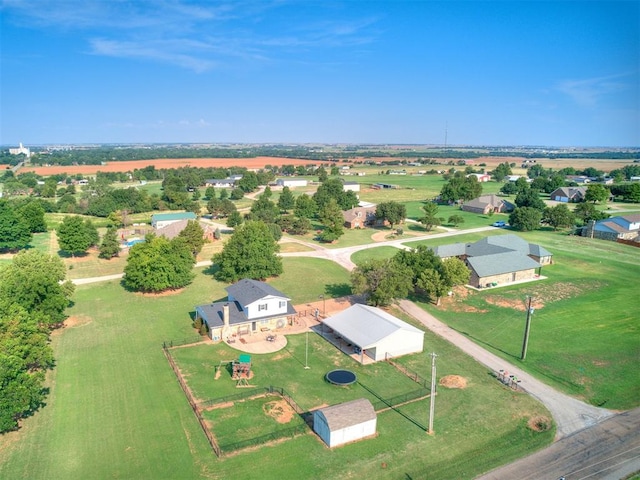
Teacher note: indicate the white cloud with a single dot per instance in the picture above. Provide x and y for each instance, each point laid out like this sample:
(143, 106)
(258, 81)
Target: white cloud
(197, 36)
(588, 92)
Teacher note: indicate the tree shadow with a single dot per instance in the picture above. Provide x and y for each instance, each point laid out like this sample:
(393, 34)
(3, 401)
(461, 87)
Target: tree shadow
(334, 290)
(65, 254)
(211, 270)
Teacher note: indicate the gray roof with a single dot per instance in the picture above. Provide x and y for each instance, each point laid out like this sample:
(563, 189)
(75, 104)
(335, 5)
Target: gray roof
(212, 313)
(498, 263)
(492, 246)
(348, 414)
(247, 291)
(365, 326)
(539, 251)
(568, 192)
(492, 199)
(451, 250)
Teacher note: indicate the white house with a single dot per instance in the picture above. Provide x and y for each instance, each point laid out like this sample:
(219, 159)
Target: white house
(353, 186)
(251, 307)
(345, 422)
(220, 182)
(481, 177)
(291, 182)
(375, 333)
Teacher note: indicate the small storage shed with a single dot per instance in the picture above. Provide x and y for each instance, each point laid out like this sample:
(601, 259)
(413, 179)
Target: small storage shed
(345, 422)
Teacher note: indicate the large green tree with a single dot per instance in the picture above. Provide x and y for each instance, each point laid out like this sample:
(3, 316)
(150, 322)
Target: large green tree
(305, 206)
(286, 201)
(455, 272)
(36, 282)
(528, 197)
(460, 188)
(525, 219)
(559, 216)
(33, 214)
(25, 355)
(434, 284)
(15, 232)
(251, 252)
(596, 193)
(417, 260)
(158, 264)
(331, 217)
(382, 281)
(110, 246)
(193, 235)
(501, 171)
(588, 211)
(76, 235)
(392, 212)
(430, 219)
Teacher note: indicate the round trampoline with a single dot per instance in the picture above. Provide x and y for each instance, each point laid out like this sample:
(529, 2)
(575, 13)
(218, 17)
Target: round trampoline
(341, 377)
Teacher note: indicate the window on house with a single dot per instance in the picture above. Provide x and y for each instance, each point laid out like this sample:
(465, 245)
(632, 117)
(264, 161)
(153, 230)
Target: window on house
(262, 307)
(282, 304)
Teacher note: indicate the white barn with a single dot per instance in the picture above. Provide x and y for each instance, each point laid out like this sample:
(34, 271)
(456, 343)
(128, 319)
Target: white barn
(291, 182)
(375, 332)
(345, 422)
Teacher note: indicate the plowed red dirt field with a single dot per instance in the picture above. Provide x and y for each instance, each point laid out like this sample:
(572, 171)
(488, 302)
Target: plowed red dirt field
(166, 163)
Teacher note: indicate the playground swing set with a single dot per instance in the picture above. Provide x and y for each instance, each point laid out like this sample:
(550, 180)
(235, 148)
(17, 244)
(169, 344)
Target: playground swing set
(240, 370)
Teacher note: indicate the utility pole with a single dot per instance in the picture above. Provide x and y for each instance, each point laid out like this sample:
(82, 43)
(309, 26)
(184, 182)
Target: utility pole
(527, 327)
(432, 398)
(306, 353)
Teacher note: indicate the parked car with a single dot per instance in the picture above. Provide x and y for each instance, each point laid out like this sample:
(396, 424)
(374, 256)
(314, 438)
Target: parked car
(500, 224)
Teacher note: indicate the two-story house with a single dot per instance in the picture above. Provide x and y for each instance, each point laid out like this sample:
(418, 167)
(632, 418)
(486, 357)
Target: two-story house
(251, 307)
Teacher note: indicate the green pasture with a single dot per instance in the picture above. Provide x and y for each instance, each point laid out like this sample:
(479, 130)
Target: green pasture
(304, 279)
(481, 406)
(115, 409)
(376, 253)
(247, 419)
(286, 369)
(585, 337)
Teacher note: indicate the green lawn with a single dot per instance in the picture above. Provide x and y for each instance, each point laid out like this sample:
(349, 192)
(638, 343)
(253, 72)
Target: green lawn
(584, 336)
(116, 411)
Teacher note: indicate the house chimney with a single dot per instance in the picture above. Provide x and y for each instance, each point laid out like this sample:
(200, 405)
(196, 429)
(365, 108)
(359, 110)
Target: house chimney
(224, 334)
(225, 315)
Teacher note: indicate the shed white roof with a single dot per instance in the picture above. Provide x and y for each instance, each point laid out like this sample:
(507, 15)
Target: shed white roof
(365, 326)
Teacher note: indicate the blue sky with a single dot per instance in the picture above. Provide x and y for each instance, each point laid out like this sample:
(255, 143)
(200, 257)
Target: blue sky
(559, 73)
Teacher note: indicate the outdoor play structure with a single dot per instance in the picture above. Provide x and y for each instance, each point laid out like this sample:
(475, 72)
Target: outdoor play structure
(240, 370)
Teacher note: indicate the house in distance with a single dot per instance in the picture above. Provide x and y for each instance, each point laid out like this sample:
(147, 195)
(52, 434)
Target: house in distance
(498, 260)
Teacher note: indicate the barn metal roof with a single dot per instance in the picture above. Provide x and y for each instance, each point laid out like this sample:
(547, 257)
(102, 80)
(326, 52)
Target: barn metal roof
(365, 326)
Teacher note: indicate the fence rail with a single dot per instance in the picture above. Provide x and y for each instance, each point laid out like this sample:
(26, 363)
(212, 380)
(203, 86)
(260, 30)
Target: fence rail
(212, 441)
(182, 342)
(392, 403)
(408, 372)
(269, 437)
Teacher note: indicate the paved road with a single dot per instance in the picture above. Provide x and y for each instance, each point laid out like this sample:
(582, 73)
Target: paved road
(607, 451)
(342, 256)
